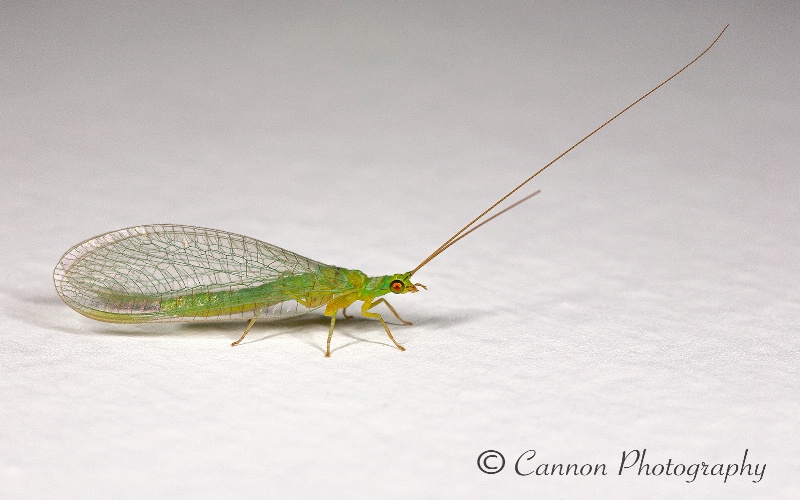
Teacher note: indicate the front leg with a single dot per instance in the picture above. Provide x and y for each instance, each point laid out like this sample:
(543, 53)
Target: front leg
(365, 311)
(391, 309)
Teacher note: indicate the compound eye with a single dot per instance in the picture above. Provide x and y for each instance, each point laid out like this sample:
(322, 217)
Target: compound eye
(397, 286)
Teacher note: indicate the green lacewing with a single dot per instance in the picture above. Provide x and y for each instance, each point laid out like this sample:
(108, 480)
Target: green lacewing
(170, 272)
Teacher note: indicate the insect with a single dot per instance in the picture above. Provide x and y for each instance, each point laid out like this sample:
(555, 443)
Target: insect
(165, 272)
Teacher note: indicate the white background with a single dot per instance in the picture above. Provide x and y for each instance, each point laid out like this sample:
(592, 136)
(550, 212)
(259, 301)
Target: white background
(647, 298)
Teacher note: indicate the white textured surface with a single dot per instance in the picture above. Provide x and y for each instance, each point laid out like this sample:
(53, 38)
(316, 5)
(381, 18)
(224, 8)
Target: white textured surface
(648, 298)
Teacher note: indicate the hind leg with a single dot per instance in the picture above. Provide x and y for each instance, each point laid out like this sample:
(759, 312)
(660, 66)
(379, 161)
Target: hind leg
(249, 326)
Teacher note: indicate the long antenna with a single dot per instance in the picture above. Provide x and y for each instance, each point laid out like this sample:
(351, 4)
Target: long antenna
(461, 232)
(494, 216)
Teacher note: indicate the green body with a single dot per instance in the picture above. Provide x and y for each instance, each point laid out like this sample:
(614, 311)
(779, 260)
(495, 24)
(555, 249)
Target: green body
(161, 273)
(335, 287)
(182, 273)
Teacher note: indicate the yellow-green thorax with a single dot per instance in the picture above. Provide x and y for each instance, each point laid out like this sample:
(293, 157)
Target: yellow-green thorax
(367, 289)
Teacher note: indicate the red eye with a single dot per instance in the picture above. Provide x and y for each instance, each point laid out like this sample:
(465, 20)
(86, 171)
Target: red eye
(396, 286)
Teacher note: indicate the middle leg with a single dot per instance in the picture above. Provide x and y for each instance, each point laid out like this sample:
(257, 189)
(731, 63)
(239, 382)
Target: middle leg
(330, 335)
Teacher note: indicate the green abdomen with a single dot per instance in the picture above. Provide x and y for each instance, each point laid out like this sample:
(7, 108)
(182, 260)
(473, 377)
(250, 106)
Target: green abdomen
(310, 290)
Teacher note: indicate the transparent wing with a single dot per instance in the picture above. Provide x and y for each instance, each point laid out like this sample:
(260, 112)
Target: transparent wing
(185, 273)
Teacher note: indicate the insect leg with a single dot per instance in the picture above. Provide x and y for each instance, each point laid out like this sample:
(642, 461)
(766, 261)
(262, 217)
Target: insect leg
(365, 311)
(391, 309)
(330, 335)
(334, 304)
(344, 313)
(249, 326)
